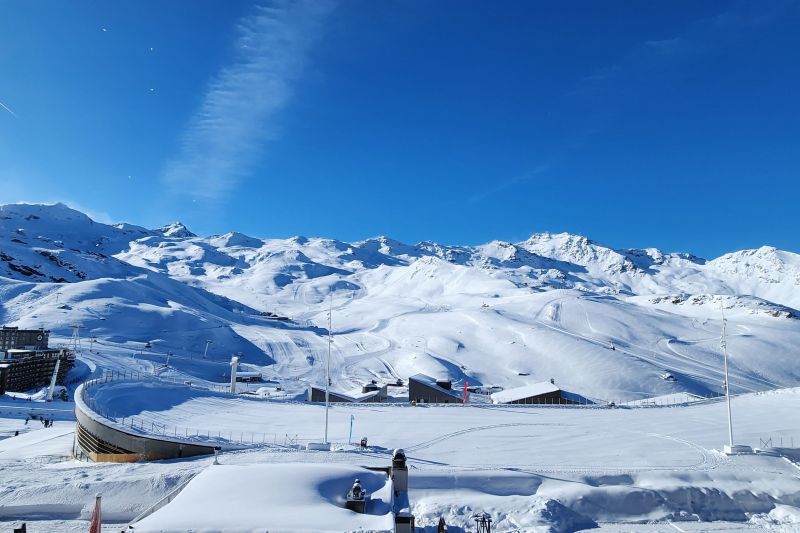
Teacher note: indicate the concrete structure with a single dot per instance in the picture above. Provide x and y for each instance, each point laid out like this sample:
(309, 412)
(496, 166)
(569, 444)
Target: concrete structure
(403, 518)
(357, 498)
(545, 392)
(399, 471)
(234, 368)
(425, 389)
(366, 394)
(96, 440)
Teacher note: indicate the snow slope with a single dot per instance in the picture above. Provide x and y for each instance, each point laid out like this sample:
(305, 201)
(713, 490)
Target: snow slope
(604, 323)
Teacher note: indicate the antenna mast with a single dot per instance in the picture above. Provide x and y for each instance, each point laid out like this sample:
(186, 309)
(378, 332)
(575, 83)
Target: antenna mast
(724, 344)
(328, 365)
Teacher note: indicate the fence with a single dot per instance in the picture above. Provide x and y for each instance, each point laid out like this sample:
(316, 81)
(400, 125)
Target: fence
(148, 427)
(778, 441)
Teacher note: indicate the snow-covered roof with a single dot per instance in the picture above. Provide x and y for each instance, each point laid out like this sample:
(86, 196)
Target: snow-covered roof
(247, 374)
(297, 497)
(526, 391)
(666, 399)
(353, 395)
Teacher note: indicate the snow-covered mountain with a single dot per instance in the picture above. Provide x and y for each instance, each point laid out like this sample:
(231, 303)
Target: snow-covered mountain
(502, 313)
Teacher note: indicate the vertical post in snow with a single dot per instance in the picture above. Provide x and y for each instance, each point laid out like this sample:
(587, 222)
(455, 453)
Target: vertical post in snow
(466, 392)
(350, 438)
(328, 366)
(727, 379)
(205, 352)
(53, 380)
(96, 524)
(234, 367)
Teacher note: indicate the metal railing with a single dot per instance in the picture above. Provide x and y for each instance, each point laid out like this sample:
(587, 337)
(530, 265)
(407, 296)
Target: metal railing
(144, 426)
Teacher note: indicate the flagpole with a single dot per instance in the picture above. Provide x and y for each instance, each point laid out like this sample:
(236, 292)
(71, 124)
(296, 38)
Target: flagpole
(350, 438)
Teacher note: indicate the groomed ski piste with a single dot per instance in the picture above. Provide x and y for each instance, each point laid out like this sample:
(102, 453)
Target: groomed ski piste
(605, 324)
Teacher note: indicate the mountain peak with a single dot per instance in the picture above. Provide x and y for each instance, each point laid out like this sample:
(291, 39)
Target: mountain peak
(176, 230)
(57, 212)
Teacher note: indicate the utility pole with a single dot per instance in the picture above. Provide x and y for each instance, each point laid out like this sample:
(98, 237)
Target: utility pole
(91, 343)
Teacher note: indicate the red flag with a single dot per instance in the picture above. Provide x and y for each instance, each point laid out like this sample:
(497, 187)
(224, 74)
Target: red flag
(466, 392)
(96, 525)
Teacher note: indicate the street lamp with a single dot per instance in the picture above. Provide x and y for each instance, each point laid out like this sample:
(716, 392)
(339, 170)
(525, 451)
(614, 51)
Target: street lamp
(730, 448)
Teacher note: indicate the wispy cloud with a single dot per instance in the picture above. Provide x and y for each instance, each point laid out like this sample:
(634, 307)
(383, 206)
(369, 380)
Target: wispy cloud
(4, 106)
(496, 187)
(655, 61)
(237, 116)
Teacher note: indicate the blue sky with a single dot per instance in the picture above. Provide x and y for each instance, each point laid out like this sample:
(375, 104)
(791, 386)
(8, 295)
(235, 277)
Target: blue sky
(668, 124)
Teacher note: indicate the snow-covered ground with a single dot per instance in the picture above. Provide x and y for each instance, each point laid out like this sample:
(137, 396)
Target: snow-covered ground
(607, 324)
(532, 468)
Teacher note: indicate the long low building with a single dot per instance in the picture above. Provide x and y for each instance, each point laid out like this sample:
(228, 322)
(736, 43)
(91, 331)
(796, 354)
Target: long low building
(370, 393)
(545, 392)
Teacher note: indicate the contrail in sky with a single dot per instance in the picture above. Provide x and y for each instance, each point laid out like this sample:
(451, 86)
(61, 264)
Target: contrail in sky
(4, 106)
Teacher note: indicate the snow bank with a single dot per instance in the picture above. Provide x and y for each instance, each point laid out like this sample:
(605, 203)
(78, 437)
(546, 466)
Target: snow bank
(276, 497)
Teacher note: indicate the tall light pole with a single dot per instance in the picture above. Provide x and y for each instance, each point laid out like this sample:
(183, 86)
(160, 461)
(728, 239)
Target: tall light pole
(328, 366)
(724, 344)
(730, 448)
(325, 445)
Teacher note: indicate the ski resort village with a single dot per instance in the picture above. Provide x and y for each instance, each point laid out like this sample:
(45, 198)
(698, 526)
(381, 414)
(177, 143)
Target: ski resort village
(159, 381)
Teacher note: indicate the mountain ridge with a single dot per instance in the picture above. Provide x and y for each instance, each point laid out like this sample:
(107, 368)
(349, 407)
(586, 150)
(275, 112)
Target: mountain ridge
(549, 306)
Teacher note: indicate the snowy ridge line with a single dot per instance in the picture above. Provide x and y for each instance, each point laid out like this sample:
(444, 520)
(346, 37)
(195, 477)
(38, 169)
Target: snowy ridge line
(606, 322)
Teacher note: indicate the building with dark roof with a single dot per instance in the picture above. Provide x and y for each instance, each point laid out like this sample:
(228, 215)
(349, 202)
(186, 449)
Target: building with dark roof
(13, 337)
(425, 389)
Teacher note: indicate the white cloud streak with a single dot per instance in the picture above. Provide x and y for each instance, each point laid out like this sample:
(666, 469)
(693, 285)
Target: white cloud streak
(4, 106)
(237, 116)
(659, 61)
